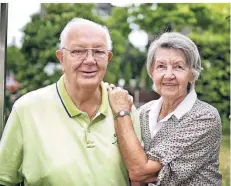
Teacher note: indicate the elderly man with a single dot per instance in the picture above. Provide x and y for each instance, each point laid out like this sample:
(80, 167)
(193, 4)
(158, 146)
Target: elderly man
(63, 134)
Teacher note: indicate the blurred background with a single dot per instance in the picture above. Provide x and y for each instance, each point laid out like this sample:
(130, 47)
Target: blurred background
(31, 62)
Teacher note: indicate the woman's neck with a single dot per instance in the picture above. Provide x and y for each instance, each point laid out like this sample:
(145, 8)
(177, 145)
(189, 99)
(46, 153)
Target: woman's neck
(169, 105)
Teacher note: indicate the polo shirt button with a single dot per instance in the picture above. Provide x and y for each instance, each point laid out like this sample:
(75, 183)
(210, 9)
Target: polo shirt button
(90, 145)
(90, 142)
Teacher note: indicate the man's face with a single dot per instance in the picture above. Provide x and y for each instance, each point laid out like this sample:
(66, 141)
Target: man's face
(84, 68)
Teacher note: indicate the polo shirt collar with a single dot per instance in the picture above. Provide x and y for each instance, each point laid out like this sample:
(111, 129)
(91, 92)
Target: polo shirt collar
(104, 107)
(71, 108)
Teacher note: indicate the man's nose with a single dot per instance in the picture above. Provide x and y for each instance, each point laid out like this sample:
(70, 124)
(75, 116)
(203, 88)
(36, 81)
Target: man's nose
(89, 57)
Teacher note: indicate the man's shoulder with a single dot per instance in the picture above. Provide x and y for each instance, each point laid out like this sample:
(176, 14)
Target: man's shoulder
(38, 96)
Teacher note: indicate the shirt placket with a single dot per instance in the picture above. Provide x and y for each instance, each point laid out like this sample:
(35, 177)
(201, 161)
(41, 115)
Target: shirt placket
(86, 124)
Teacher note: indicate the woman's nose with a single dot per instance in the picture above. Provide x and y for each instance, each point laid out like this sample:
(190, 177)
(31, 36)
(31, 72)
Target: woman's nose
(169, 73)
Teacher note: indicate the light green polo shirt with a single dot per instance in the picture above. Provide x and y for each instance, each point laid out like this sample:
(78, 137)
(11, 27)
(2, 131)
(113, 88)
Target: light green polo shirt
(48, 141)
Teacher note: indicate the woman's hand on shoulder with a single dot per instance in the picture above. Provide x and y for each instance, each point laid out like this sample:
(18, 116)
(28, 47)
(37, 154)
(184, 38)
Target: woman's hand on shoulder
(119, 99)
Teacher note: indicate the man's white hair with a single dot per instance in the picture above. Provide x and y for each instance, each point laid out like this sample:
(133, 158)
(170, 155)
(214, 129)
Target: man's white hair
(80, 21)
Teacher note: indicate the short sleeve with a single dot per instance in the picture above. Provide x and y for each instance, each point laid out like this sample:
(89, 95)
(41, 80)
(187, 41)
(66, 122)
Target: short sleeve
(11, 151)
(136, 122)
(188, 148)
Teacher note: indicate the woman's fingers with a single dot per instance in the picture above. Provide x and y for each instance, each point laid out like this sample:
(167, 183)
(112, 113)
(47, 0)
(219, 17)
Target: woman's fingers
(119, 98)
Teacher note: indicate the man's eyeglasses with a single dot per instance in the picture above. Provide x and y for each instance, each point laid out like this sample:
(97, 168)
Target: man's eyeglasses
(81, 53)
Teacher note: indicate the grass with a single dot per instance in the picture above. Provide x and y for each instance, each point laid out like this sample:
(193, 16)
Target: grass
(225, 160)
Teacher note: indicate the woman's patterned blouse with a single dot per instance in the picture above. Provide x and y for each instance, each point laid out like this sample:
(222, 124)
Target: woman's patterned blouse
(187, 148)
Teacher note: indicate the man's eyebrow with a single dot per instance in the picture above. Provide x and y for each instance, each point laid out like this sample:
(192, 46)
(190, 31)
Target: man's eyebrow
(79, 46)
(99, 46)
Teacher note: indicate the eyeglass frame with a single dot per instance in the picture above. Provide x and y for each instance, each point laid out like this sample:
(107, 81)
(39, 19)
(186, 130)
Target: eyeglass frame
(87, 49)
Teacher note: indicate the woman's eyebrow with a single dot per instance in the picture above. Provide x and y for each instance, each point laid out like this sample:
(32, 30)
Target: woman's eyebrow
(160, 61)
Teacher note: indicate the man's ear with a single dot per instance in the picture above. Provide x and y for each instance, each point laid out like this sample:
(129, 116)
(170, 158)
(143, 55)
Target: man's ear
(59, 55)
(110, 55)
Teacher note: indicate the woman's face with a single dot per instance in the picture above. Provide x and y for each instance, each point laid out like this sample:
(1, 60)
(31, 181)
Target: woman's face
(171, 73)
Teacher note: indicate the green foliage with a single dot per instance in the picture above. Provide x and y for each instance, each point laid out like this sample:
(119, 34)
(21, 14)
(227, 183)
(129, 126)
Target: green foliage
(132, 62)
(206, 24)
(224, 160)
(15, 65)
(15, 59)
(42, 38)
(213, 85)
(119, 30)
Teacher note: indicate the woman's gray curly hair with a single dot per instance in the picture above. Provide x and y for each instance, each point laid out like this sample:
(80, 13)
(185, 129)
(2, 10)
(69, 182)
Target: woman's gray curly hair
(176, 40)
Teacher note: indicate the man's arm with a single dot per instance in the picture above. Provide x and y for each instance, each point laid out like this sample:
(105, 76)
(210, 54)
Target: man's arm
(11, 151)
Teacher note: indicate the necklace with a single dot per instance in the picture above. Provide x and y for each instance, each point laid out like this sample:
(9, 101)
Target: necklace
(96, 109)
(97, 105)
(88, 108)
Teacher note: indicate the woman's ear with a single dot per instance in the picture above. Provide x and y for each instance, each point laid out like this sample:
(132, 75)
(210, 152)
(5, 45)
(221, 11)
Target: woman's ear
(192, 78)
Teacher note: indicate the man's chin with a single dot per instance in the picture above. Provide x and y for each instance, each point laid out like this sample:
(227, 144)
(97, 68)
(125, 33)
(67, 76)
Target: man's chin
(89, 83)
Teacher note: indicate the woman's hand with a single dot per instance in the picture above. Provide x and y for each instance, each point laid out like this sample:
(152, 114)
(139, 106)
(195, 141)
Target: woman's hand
(119, 99)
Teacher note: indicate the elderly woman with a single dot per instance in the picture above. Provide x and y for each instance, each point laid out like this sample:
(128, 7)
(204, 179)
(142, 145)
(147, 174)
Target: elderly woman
(181, 134)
